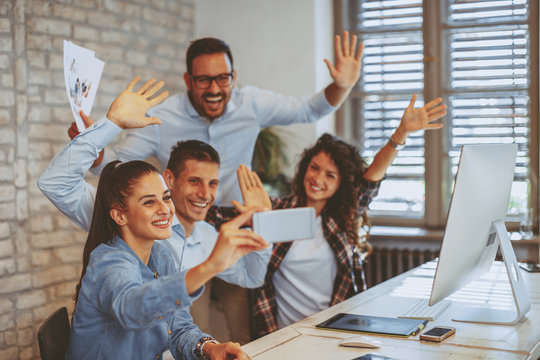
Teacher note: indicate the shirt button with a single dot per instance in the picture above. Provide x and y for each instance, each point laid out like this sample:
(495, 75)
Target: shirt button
(169, 331)
(160, 317)
(177, 302)
(158, 356)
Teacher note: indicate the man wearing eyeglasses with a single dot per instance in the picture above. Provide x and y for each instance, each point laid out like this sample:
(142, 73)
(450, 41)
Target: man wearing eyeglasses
(229, 118)
(215, 111)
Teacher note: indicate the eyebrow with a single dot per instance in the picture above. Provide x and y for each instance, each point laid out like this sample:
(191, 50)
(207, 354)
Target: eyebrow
(151, 196)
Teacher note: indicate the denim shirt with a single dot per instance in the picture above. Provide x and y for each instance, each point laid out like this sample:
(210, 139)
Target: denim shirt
(129, 310)
(64, 185)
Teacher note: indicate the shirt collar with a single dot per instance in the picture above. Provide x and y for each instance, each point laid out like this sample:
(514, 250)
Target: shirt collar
(179, 229)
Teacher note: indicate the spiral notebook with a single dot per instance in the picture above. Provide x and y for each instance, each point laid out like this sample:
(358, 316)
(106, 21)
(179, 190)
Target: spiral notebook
(373, 324)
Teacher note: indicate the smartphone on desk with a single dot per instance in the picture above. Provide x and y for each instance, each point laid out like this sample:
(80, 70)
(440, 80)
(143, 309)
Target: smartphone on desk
(285, 224)
(438, 333)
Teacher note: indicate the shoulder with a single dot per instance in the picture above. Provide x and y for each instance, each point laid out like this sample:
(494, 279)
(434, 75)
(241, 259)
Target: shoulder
(173, 103)
(205, 230)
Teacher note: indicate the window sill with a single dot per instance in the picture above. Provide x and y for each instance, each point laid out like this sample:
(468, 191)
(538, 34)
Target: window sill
(416, 238)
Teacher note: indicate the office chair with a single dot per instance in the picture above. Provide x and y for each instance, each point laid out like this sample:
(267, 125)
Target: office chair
(53, 335)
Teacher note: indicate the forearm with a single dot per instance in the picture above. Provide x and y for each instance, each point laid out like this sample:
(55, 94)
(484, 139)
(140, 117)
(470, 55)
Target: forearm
(249, 271)
(336, 95)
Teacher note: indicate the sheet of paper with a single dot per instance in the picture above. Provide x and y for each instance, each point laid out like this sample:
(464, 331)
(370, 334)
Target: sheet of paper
(82, 73)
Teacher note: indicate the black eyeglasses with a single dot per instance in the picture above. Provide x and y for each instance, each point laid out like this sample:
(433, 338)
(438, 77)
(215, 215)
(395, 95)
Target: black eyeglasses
(204, 82)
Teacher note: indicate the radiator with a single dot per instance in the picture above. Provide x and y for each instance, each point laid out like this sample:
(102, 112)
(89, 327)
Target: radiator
(384, 263)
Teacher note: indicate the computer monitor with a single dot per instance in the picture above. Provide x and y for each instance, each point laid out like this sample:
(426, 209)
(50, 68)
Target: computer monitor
(475, 229)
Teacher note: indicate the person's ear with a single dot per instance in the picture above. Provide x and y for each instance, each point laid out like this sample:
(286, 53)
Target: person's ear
(118, 216)
(233, 78)
(187, 80)
(169, 177)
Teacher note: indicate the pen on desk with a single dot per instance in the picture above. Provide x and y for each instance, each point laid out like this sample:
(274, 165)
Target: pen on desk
(420, 328)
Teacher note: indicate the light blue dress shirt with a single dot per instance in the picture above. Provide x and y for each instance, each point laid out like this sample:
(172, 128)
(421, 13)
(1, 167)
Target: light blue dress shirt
(64, 185)
(233, 134)
(126, 311)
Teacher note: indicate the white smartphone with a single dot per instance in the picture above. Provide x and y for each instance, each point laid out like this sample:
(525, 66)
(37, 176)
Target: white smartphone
(285, 224)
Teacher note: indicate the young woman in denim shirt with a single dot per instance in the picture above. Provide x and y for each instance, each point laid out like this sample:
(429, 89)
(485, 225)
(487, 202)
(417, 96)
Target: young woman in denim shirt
(130, 303)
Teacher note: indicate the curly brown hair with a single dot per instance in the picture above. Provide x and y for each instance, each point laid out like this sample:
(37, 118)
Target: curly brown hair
(343, 205)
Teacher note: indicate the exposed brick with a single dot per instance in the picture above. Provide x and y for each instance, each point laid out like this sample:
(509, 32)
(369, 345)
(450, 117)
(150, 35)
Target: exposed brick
(22, 110)
(26, 353)
(41, 258)
(7, 136)
(6, 173)
(85, 33)
(7, 211)
(49, 26)
(47, 132)
(66, 289)
(25, 336)
(4, 116)
(5, 7)
(38, 7)
(5, 62)
(72, 254)
(37, 41)
(6, 44)
(56, 97)
(11, 338)
(8, 353)
(39, 77)
(6, 248)
(4, 230)
(7, 266)
(54, 275)
(56, 62)
(7, 98)
(7, 81)
(70, 13)
(19, 37)
(51, 240)
(7, 194)
(31, 299)
(18, 282)
(6, 322)
(24, 319)
(6, 305)
(22, 205)
(21, 74)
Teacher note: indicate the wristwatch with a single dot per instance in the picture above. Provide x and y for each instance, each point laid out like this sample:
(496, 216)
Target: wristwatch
(395, 145)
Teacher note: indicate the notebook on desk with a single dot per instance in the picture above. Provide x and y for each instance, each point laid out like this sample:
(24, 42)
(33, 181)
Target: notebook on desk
(373, 324)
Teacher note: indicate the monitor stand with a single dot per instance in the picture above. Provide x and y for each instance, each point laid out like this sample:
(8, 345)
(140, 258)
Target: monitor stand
(519, 291)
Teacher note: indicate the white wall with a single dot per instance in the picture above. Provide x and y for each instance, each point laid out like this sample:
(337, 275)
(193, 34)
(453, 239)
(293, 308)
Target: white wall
(278, 45)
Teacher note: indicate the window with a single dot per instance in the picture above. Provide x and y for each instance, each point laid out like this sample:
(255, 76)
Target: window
(481, 57)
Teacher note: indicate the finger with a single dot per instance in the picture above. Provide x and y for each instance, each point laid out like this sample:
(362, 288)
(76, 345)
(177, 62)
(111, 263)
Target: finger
(251, 178)
(331, 68)
(353, 45)
(437, 109)
(158, 99)
(346, 43)
(433, 103)
(154, 89)
(258, 181)
(434, 126)
(360, 52)
(145, 87)
(133, 82)
(436, 116)
(413, 100)
(87, 120)
(337, 46)
(153, 121)
(73, 130)
(239, 220)
(242, 178)
(241, 208)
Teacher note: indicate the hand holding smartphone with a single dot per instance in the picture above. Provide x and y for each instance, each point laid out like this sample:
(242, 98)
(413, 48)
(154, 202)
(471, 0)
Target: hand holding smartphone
(438, 333)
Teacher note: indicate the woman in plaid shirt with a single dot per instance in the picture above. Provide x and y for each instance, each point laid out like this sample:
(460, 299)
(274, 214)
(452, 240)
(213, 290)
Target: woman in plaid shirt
(307, 276)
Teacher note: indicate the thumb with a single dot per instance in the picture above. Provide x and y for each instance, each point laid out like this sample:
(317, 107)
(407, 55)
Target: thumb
(86, 119)
(241, 208)
(153, 121)
(240, 219)
(331, 67)
(413, 100)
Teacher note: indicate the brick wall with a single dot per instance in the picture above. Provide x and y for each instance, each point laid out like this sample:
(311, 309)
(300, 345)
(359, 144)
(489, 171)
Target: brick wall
(40, 250)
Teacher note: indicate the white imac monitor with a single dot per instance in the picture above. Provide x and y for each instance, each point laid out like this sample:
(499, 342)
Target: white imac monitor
(475, 229)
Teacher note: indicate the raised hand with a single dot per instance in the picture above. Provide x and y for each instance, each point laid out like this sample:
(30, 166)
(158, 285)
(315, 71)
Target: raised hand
(129, 108)
(348, 61)
(421, 118)
(253, 192)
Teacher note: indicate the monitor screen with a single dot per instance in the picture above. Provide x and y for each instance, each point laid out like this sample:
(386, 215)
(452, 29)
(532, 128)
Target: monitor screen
(480, 197)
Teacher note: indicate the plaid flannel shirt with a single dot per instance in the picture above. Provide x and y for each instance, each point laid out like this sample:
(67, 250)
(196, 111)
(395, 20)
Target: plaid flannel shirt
(349, 279)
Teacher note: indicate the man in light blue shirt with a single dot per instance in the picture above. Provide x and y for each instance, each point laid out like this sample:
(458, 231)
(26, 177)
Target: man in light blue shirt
(229, 118)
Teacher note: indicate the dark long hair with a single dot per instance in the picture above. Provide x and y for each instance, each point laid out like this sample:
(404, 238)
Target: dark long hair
(114, 187)
(343, 205)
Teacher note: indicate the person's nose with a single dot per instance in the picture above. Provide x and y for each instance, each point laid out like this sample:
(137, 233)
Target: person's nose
(163, 208)
(214, 87)
(203, 191)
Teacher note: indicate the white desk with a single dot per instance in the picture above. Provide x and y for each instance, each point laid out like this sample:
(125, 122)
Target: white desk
(392, 298)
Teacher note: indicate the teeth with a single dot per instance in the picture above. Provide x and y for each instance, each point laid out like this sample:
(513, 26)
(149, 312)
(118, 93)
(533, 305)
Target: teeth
(162, 222)
(199, 204)
(213, 98)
